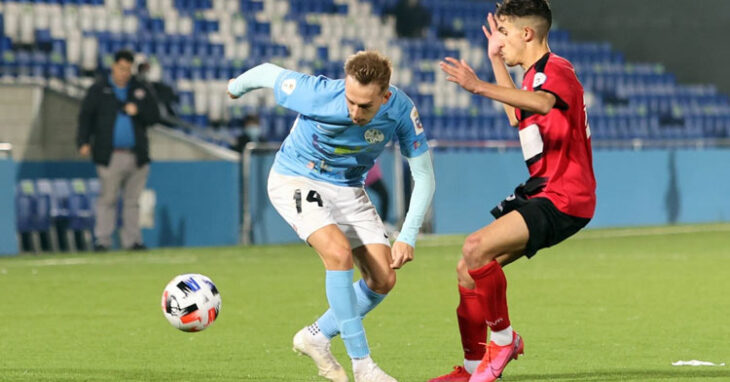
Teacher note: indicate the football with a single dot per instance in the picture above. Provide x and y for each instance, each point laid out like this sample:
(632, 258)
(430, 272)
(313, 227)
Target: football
(191, 302)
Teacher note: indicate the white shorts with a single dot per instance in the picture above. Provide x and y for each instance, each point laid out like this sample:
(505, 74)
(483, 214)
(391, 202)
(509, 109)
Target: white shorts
(308, 205)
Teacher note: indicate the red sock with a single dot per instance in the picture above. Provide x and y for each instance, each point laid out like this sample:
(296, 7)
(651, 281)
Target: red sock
(472, 324)
(491, 286)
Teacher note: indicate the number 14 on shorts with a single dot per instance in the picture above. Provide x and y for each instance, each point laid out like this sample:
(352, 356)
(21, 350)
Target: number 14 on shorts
(312, 197)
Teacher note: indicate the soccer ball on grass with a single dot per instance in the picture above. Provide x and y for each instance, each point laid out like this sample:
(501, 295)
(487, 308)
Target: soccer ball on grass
(191, 302)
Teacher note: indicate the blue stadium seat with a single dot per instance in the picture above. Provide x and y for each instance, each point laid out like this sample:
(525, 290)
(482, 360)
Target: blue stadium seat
(33, 212)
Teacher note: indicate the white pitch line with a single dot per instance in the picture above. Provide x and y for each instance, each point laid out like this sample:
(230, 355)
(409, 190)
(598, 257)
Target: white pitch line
(108, 261)
(656, 231)
(592, 234)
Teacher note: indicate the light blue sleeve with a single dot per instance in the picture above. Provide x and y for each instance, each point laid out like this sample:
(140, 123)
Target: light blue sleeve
(317, 97)
(411, 136)
(425, 185)
(261, 76)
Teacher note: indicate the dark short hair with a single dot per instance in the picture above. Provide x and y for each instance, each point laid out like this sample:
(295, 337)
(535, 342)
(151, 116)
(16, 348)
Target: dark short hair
(526, 8)
(251, 119)
(369, 67)
(125, 55)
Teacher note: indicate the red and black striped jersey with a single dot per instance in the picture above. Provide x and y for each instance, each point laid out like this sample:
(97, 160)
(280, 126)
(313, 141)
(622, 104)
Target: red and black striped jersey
(557, 146)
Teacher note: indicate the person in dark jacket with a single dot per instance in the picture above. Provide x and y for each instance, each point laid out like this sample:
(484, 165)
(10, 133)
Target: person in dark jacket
(166, 97)
(113, 121)
(411, 18)
(251, 132)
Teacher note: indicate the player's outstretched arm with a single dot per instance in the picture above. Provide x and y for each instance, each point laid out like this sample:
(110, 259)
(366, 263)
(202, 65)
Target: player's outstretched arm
(261, 76)
(425, 185)
(461, 73)
(494, 47)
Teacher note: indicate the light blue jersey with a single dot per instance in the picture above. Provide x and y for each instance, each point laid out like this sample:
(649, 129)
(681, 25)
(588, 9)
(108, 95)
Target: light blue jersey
(324, 144)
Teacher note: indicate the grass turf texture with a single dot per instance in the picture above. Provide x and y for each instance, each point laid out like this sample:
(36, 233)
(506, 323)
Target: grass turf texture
(607, 305)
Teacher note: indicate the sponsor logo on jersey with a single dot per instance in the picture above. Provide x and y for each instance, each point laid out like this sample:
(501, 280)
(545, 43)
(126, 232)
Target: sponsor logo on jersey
(417, 126)
(288, 86)
(539, 79)
(373, 136)
(341, 150)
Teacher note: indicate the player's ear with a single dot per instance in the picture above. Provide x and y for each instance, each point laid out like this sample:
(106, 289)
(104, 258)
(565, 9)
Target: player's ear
(386, 96)
(528, 34)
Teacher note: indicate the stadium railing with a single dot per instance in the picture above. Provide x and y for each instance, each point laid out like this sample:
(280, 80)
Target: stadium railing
(248, 152)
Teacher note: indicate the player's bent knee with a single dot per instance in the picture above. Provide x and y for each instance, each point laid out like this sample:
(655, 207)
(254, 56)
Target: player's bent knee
(470, 249)
(340, 258)
(390, 283)
(477, 251)
(383, 284)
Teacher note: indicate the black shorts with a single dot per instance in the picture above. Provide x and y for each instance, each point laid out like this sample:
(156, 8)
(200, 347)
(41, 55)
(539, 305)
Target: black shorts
(547, 225)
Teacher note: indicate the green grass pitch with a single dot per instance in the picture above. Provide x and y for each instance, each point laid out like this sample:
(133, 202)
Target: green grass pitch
(606, 305)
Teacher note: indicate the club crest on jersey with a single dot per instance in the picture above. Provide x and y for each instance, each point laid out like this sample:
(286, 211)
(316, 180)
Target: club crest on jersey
(373, 136)
(417, 126)
(539, 79)
(139, 93)
(288, 85)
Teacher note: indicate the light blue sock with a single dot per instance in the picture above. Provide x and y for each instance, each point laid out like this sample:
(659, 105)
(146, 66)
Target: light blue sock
(367, 299)
(342, 300)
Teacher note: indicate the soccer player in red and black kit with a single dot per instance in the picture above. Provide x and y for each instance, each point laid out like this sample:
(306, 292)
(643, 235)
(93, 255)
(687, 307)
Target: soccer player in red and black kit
(557, 200)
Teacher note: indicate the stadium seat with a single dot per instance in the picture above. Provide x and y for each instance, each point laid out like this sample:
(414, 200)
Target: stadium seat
(32, 213)
(61, 189)
(57, 210)
(81, 212)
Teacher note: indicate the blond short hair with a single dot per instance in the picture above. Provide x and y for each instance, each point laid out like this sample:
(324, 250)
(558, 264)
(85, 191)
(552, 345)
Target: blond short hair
(369, 66)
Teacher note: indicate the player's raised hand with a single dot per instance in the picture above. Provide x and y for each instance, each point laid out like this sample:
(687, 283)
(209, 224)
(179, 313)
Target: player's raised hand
(495, 40)
(461, 73)
(401, 254)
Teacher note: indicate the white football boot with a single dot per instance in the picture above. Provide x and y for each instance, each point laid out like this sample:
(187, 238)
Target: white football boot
(317, 347)
(368, 371)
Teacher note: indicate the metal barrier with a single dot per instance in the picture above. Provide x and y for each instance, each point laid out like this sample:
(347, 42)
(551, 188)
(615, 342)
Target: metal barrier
(247, 226)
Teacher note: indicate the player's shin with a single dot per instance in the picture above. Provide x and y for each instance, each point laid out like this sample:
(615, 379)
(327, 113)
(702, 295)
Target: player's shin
(343, 302)
(367, 300)
(472, 324)
(491, 287)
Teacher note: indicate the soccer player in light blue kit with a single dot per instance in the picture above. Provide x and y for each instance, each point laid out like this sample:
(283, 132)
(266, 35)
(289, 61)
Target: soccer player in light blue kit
(316, 185)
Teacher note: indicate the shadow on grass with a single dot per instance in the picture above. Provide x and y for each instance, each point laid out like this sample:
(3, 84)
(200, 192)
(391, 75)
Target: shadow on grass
(626, 375)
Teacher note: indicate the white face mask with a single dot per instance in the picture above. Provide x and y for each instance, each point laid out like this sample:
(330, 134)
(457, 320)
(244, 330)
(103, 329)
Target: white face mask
(155, 73)
(253, 132)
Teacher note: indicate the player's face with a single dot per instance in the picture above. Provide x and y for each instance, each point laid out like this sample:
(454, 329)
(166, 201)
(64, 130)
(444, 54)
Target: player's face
(121, 72)
(514, 42)
(363, 101)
